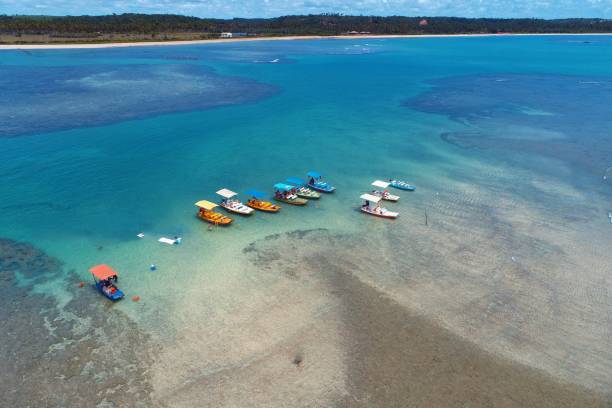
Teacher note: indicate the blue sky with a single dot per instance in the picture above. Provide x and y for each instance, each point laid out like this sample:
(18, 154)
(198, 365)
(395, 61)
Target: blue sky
(271, 8)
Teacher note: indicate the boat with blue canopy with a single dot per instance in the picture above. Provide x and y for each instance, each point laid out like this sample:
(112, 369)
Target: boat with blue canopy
(105, 279)
(300, 188)
(402, 185)
(316, 182)
(283, 192)
(257, 203)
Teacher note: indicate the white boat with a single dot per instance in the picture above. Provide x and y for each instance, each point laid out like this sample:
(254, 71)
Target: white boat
(233, 205)
(384, 194)
(377, 210)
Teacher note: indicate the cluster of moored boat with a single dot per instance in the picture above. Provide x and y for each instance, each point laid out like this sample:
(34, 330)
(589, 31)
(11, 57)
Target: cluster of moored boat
(294, 191)
(297, 191)
(372, 200)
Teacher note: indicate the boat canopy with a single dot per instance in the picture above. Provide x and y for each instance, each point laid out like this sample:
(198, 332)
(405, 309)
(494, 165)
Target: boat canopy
(102, 272)
(380, 183)
(224, 192)
(207, 205)
(283, 187)
(314, 174)
(295, 180)
(370, 197)
(255, 193)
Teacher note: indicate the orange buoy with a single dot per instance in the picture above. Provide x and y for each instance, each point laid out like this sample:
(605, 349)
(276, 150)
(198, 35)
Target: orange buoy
(81, 284)
(135, 298)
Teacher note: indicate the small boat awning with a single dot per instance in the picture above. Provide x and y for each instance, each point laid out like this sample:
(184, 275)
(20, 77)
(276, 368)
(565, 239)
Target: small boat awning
(370, 197)
(207, 205)
(255, 193)
(314, 174)
(380, 183)
(224, 192)
(295, 180)
(283, 187)
(102, 272)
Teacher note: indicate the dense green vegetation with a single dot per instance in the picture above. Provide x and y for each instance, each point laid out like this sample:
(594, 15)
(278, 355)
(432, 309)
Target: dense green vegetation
(328, 24)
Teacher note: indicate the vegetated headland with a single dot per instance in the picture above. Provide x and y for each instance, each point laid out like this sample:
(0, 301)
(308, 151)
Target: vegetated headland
(162, 27)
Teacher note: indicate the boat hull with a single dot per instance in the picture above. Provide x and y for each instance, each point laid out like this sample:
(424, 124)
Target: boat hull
(295, 201)
(389, 215)
(323, 189)
(245, 211)
(402, 186)
(388, 197)
(310, 196)
(215, 218)
(115, 296)
(263, 206)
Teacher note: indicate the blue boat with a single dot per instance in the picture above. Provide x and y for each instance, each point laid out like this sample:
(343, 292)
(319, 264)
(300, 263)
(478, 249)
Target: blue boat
(316, 183)
(402, 185)
(104, 279)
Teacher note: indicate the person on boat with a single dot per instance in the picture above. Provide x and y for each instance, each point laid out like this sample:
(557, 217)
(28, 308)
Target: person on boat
(312, 180)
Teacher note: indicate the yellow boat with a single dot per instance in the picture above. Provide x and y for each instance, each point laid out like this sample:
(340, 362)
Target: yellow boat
(260, 205)
(207, 214)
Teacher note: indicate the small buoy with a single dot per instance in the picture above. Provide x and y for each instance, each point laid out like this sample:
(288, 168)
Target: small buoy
(81, 284)
(153, 267)
(135, 298)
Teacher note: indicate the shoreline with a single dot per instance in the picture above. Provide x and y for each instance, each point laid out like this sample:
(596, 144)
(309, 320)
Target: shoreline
(285, 38)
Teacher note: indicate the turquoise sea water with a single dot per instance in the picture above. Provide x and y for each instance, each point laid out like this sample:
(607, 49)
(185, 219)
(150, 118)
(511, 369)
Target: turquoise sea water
(506, 138)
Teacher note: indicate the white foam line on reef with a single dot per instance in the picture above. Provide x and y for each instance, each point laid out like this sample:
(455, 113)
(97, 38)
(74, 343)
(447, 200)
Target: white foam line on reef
(307, 37)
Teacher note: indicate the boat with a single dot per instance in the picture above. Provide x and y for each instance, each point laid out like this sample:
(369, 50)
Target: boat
(402, 185)
(377, 210)
(256, 202)
(233, 205)
(105, 279)
(282, 192)
(316, 183)
(301, 190)
(384, 194)
(207, 214)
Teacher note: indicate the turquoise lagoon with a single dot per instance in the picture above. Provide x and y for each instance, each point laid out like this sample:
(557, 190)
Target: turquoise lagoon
(506, 138)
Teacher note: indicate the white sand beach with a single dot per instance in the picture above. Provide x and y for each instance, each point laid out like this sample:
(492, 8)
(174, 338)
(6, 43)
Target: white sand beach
(242, 39)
